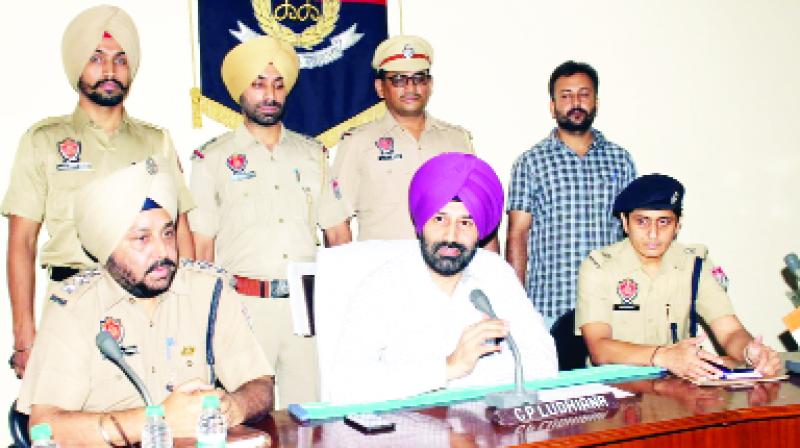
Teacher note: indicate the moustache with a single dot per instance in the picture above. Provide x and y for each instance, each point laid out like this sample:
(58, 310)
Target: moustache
(450, 245)
(99, 83)
(269, 103)
(166, 262)
(578, 109)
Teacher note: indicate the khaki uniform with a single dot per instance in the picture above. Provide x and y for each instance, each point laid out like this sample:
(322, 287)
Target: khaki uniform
(44, 178)
(374, 166)
(263, 207)
(67, 370)
(612, 276)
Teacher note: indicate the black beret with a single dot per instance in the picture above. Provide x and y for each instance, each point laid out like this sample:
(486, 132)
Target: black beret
(650, 192)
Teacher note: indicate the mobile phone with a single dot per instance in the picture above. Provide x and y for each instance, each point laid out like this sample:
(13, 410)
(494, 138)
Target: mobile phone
(369, 423)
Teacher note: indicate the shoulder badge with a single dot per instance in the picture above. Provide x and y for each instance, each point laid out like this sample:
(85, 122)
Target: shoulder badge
(598, 257)
(58, 300)
(697, 250)
(199, 153)
(49, 121)
(720, 276)
(75, 284)
(202, 266)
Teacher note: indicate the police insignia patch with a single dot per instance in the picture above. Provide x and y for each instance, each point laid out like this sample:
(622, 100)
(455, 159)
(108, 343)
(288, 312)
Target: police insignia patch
(70, 151)
(114, 328)
(720, 276)
(151, 166)
(627, 290)
(237, 163)
(386, 147)
(336, 190)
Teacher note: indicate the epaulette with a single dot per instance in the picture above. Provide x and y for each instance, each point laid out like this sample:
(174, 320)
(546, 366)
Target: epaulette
(146, 124)
(200, 152)
(73, 287)
(353, 130)
(47, 122)
(697, 250)
(203, 266)
(598, 257)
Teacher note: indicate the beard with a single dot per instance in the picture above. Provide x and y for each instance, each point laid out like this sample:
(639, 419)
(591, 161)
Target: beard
(566, 124)
(263, 118)
(138, 286)
(100, 96)
(444, 265)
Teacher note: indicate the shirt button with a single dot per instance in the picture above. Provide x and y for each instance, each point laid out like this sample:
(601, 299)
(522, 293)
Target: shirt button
(153, 369)
(277, 187)
(280, 220)
(285, 256)
(152, 324)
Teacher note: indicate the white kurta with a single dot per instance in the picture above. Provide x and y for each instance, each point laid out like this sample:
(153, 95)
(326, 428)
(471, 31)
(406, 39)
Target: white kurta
(400, 327)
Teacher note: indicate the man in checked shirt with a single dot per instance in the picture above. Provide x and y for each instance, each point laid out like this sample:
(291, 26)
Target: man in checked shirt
(561, 193)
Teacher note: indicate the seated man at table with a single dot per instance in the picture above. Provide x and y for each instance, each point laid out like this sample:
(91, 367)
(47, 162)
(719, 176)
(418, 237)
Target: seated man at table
(410, 326)
(635, 297)
(157, 313)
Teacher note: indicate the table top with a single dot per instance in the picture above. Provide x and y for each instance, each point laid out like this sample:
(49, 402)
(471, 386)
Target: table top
(658, 405)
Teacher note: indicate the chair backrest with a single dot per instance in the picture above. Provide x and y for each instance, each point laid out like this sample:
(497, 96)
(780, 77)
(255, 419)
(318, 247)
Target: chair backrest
(572, 350)
(18, 427)
(340, 271)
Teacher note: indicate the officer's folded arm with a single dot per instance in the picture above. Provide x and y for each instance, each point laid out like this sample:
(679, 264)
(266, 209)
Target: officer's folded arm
(250, 402)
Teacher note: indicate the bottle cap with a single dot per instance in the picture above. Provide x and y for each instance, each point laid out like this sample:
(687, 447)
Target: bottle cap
(210, 401)
(154, 411)
(41, 431)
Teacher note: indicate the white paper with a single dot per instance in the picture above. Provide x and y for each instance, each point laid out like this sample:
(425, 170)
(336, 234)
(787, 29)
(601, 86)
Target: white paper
(582, 390)
(297, 296)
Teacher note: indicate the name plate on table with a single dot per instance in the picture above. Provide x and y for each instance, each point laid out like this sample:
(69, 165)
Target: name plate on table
(546, 410)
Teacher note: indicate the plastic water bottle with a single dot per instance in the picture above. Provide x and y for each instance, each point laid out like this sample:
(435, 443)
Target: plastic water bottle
(156, 433)
(42, 436)
(212, 432)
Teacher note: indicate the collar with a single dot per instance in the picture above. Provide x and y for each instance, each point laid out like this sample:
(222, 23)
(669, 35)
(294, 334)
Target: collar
(244, 139)
(110, 292)
(80, 119)
(629, 260)
(388, 122)
(598, 141)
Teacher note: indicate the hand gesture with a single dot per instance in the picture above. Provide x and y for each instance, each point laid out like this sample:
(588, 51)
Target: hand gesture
(183, 406)
(473, 344)
(764, 359)
(688, 359)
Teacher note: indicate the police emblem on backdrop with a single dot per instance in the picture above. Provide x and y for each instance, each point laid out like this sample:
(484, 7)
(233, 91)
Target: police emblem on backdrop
(334, 39)
(70, 151)
(386, 147)
(627, 290)
(237, 163)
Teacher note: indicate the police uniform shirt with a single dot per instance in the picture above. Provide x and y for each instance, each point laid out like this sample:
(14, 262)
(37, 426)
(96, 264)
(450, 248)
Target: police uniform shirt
(612, 277)
(66, 369)
(375, 163)
(59, 155)
(263, 206)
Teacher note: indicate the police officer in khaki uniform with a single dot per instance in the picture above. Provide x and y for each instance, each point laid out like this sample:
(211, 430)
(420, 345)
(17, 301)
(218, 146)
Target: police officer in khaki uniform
(156, 312)
(634, 297)
(375, 162)
(261, 191)
(58, 155)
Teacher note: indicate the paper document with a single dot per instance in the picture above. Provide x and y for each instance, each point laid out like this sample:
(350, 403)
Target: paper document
(301, 295)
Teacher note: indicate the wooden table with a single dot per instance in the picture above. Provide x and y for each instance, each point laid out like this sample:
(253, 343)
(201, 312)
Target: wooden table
(666, 412)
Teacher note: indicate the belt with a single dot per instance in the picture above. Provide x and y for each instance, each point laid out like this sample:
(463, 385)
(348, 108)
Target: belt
(61, 273)
(274, 289)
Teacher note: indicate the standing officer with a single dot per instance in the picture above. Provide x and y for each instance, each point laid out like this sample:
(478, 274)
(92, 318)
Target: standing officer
(375, 162)
(156, 312)
(560, 194)
(56, 156)
(261, 191)
(637, 298)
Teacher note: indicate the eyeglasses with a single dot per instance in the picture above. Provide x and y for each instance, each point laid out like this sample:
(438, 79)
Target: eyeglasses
(418, 79)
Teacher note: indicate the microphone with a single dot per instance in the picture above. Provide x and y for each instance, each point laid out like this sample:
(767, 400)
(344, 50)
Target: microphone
(512, 398)
(793, 263)
(110, 349)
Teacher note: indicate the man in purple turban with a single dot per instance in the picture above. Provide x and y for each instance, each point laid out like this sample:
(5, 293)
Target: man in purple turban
(410, 326)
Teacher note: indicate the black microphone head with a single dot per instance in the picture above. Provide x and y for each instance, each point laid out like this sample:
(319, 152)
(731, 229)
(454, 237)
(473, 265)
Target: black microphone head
(792, 262)
(481, 302)
(108, 346)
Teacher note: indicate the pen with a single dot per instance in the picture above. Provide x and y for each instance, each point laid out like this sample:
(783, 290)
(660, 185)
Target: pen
(673, 328)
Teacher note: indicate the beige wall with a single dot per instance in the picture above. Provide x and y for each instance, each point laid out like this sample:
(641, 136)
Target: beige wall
(702, 90)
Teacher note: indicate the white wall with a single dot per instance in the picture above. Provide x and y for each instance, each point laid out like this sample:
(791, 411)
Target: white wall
(702, 90)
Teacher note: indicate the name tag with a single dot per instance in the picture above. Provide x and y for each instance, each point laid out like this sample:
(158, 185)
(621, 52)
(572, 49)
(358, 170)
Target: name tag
(74, 166)
(626, 307)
